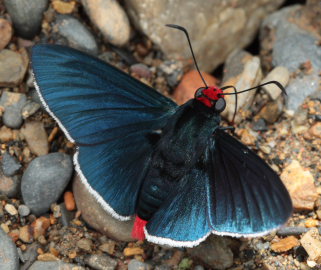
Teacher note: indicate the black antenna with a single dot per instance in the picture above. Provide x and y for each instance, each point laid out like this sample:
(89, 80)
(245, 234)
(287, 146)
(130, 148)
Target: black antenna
(190, 46)
(252, 88)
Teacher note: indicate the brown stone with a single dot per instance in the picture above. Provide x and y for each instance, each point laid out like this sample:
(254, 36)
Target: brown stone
(36, 137)
(216, 27)
(69, 201)
(12, 69)
(63, 7)
(97, 217)
(285, 244)
(315, 130)
(110, 18)
(190, 82)
(300, 184)
(6, 134)
(243, 71)
(131, 251)
(311, 241)
(5, 33)
(215, 252)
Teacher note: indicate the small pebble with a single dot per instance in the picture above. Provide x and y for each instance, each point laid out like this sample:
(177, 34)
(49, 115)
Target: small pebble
(131, 251)
(310, 223)
(9, 185)
(10, 165)
(47, 257)
(315, 130)
(12, 104)
(66, 215)
(279, 74)
(9, 259)
(300, 184)
(26, 16)
(260, 125)
(63, 7)
(77, 34)
(69, 201)
(101, 262)
(5, 33)
(285, 244)
(23, 210)
(36, 137)
(271, 111)
(44, 180)
(311, 241)
(138, 265)
(85, 244)
(29, 109)
(108, 247)
(11, 209)
(141, 71)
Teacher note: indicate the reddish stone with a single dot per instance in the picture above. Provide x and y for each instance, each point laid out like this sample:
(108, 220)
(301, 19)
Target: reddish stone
(190, 82)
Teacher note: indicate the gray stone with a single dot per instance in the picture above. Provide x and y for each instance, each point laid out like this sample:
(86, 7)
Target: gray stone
(76, 33)
(138, 265)
(26, 15)
(294, 43)
(23, 210)
(295, 95)
(216, 28)
(215, 252)
(29, 109)
(97, 217)
(44, 181)
(12, 104)
(30, 255)
(9, 259)
(54, 265)
(10, 165)
(66, 216)
(101, 262)
(110, 19)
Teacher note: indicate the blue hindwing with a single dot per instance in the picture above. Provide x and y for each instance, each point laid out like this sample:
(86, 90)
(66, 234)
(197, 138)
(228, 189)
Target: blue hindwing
(108, 114)
(247, 196)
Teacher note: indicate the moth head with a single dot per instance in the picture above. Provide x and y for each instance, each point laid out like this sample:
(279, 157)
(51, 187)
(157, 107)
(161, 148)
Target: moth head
(211, 97)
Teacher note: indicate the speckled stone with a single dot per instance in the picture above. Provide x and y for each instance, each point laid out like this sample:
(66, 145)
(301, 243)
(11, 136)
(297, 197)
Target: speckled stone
(76, 33)
(9, 259)
(44, 181)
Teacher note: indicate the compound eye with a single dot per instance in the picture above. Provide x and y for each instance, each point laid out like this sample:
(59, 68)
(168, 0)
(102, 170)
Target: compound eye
(199, 92)
(220, 105)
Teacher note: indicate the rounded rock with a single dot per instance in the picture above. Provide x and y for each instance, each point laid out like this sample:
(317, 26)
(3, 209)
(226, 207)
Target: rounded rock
(138, 265)
(77, 34)
(9, 185)
(12, 69)
(44, 181)
(279, 74)
(97, 217)
(36, 137)
(23, 210)
(5, 33)
(10, 165)
(110, 18)
(9, 259)
(101, 262)
(26, 15)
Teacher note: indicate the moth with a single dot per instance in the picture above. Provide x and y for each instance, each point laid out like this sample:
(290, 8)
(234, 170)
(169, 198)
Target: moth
(173, 168)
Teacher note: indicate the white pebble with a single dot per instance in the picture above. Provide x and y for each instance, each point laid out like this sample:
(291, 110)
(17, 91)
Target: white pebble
(280, 74)
(11, 209)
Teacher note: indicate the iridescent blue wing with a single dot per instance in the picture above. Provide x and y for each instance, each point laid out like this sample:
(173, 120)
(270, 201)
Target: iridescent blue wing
(108, 114)
(247, 196)
(233, 192)
(182, 221)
